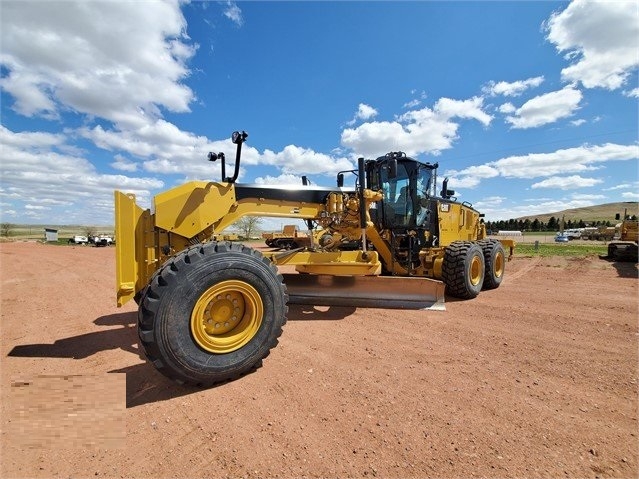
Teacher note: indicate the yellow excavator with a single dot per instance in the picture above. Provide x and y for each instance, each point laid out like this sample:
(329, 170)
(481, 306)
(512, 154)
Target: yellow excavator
(210, 311)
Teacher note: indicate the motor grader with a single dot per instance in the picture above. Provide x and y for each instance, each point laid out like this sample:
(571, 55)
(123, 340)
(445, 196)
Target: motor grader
(210, 311)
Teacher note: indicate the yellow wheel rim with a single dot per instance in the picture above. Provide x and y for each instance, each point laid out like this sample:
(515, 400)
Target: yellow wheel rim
(227, 316)
(499, 265)
(475, 270)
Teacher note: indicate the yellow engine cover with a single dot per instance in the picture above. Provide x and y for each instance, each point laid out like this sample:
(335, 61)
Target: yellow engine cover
(457, 222)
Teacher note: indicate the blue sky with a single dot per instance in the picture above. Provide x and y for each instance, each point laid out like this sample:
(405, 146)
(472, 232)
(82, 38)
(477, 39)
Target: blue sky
(528, 107)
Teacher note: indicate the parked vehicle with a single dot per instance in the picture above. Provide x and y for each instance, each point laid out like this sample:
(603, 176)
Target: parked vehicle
(561, 238)
(77, 239)
(102, 240)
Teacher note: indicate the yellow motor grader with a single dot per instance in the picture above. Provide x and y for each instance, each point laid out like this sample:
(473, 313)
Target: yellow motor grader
(210, 311)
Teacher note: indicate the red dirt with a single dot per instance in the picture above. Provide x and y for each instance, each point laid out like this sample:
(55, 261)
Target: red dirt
(537, 378)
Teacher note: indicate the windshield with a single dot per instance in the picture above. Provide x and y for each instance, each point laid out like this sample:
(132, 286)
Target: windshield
(405, 195)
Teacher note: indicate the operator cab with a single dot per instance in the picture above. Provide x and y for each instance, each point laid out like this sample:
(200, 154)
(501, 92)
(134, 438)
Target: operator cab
(407, 186)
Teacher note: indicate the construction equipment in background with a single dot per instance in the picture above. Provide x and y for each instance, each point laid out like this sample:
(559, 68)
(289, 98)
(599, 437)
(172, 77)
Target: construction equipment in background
(598, 233)
(225, 237)
(626, 248)
(211, 311)
(290, 237)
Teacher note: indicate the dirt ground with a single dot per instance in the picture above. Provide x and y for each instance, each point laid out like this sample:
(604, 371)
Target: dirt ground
(535, 379)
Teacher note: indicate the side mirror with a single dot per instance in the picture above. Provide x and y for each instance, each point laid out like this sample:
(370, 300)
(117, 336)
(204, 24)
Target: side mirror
(340, 180)
(238, 137)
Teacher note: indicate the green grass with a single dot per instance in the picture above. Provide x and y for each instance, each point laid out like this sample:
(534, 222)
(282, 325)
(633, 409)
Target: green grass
(561, 249)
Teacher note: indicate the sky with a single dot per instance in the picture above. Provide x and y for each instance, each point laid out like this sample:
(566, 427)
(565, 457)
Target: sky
(527, 107)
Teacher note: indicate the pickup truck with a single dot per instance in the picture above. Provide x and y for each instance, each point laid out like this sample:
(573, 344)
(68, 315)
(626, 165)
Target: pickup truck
(102, 240)
(77, 239)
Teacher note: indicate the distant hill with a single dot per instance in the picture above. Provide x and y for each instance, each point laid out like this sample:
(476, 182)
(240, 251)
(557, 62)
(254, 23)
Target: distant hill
(605, 212)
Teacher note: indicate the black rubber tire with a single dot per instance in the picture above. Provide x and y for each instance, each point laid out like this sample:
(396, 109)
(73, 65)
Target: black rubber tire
(495, 260)
(164, 315)
(462, 262)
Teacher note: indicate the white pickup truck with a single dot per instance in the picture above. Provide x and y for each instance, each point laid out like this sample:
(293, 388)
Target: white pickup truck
(102, 240)
(77, 239)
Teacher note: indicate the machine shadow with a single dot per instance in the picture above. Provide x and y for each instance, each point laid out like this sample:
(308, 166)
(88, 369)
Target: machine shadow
(144, 384)
(626, 269)
(85, 345)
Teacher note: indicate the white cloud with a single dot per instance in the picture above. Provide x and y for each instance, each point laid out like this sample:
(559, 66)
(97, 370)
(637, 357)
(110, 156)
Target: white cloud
(515, 88)
(122, 61)
(634, 93)
(30, 140)
(468, 109)
(630, 195)
(45, 184)
(415, 102)
(167, 149)
(417, 131)
(578, 122)
(297, 160)
(364, 112)
(412, 104)
(233, 13)
(547, 108)
(570, 160)
(471, 177)
(123, 164)
(600, 38)
(581, 196)
(538, 165)
(4, 213)
(489, 202)
(633, 185)
(566, 182)
(507, 108)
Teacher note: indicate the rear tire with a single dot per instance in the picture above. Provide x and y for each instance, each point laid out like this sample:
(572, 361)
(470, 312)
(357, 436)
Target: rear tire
(212, 313)
(495, 260)
(463, 269)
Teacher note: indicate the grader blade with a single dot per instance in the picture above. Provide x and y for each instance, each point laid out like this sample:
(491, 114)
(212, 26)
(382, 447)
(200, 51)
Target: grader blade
(365, 291)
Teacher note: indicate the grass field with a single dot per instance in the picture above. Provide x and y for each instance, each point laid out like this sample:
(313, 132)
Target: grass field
(560, 249)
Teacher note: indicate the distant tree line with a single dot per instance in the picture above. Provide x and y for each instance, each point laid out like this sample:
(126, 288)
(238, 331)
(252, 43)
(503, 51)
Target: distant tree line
(536, 225)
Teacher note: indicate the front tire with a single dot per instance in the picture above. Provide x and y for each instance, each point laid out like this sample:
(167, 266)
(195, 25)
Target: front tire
(463, 269)
(212, 313)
